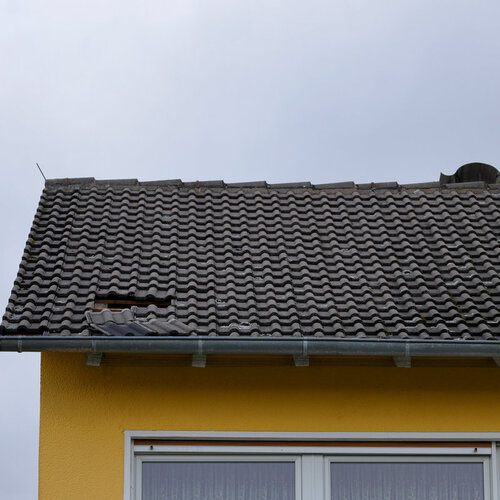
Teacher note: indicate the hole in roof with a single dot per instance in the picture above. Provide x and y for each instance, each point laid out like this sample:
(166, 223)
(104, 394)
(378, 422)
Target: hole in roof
(115, 304)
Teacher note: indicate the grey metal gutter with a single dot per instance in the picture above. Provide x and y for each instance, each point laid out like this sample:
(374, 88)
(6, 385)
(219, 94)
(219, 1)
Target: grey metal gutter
(306, 346)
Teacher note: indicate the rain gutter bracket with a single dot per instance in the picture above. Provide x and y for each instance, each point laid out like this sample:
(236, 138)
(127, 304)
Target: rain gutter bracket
(94, 358)
(199, 360)
(302, 359)
(403, 361)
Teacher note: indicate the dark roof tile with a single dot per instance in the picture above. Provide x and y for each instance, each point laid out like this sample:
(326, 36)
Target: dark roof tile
(465, 185)
(421, 185)
(72, 181)
(290, 185)
(168, 182)
(256, 184)
(116, 182)
(336, 185)
(385, 185)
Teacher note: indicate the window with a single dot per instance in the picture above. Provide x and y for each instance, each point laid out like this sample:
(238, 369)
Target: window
(217, 478)
(257, 470)
(397, 478)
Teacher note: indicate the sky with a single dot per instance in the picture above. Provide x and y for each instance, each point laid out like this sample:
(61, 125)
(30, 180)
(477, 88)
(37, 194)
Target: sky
(283, 91)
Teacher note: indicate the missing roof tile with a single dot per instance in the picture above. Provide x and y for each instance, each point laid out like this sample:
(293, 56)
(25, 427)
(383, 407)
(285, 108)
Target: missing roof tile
(115, 304)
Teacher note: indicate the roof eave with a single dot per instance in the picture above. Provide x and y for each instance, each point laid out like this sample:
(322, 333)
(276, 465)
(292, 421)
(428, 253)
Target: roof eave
(305, 346)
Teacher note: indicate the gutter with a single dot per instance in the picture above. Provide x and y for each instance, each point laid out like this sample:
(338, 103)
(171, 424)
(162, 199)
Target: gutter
(306, 346)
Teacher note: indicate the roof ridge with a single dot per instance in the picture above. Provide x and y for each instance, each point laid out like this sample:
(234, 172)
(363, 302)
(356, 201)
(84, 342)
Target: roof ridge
(83, 181)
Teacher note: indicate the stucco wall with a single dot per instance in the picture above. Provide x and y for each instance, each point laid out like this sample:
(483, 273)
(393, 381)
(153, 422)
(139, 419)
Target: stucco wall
(84, 410)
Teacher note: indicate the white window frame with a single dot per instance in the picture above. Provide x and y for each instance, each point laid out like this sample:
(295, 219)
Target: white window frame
(311, 462)
(427, 458)
(140, 458)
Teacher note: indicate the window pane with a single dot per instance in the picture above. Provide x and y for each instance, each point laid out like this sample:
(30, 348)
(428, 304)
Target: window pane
(218, 481)
(407, 481)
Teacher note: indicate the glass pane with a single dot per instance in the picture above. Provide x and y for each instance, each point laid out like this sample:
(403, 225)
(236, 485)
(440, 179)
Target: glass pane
(218, 481)
(407, 481)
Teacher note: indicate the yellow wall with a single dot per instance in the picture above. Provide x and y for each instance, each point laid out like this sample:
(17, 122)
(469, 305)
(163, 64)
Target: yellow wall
(84, 410)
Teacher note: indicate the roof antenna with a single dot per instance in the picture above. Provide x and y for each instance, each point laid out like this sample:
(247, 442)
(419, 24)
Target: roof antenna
(43, 175)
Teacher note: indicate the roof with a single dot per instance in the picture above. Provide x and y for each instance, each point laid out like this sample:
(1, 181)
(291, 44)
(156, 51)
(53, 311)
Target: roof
(377, 260)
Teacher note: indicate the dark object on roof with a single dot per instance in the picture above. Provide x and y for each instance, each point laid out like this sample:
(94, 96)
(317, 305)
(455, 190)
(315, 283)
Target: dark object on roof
(377, 260)
(471, 172)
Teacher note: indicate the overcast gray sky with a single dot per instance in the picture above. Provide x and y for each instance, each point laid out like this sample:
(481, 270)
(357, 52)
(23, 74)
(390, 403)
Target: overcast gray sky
(255, 90)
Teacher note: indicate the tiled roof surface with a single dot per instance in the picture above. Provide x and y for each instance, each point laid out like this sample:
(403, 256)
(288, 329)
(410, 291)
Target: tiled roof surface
(381, 260)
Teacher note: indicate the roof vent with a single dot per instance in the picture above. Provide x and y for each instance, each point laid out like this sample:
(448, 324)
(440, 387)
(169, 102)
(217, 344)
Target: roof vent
(471, 172)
